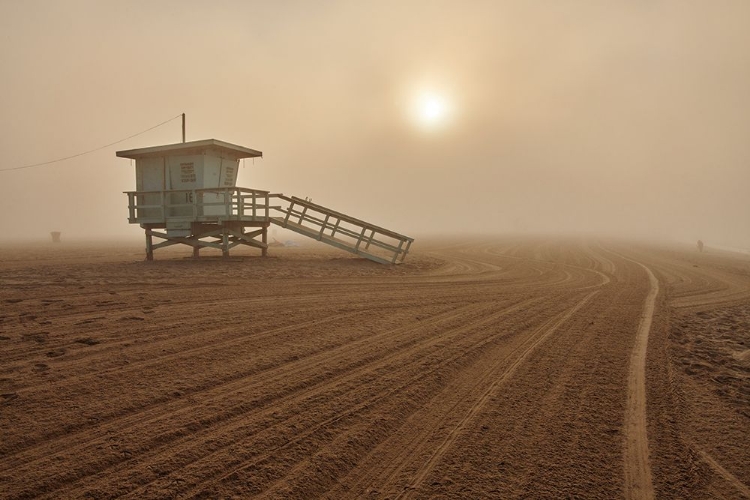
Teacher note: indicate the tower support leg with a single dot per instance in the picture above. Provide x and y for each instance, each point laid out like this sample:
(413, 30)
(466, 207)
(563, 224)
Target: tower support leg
(149, 246)
(264, 239)
(225, 244)
(196, 252)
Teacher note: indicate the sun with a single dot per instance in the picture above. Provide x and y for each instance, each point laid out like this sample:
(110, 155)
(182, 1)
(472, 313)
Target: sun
(430, 110)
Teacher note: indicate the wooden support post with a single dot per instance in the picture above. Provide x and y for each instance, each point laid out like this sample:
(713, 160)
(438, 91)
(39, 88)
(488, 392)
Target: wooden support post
(196, 252)
(131, 207)
(406, 250)
(255, 204)
(398, 251)
(369, 240)
(264, 239)
(289, 212)
(359, 240)
(323, 227)
(335, 227)
(225, 243)
(149, 246)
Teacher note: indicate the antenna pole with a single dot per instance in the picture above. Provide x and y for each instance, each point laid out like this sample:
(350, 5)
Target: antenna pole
(183, 127)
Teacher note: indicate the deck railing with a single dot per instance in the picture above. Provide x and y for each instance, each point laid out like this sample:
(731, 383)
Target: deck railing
(210, 204)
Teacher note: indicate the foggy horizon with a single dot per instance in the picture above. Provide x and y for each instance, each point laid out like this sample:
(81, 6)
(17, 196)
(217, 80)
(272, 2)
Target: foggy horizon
(619, 119)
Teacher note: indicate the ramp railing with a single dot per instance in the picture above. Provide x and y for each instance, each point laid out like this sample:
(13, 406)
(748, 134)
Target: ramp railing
(340, 230)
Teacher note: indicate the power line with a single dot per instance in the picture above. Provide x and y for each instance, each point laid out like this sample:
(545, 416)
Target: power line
(91, 150)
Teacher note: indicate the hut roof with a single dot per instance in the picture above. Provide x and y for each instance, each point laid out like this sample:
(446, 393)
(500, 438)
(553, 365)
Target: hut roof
(192, 147)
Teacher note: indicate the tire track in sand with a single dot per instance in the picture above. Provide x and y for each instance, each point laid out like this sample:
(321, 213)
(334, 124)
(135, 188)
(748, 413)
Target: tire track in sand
(705, 291)
(416, 375)
(546, 330)
(182, 409)
(62, 439)
(638, 482)
(398, 453)
(730, 478)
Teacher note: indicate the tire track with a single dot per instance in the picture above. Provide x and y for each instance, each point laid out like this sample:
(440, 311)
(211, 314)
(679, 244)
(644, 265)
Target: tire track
(230, 334)
(64, 319)
(638, 481)
(695, 283)
(730, 478)
(72, 433)
(21, 353)
(217, 392)
(605, 278)
(410, 447)
(234, 425)
(369, 403)
(544, 332)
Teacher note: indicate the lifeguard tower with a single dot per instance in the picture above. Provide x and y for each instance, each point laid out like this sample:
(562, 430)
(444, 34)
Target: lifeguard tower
(186, 193)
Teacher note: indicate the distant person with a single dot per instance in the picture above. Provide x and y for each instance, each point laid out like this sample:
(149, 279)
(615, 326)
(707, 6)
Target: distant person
(700, 246)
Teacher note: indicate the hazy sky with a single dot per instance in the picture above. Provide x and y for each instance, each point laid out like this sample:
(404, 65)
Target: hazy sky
(628, 117)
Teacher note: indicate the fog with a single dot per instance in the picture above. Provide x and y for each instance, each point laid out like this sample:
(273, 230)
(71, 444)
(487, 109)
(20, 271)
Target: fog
(626, 118)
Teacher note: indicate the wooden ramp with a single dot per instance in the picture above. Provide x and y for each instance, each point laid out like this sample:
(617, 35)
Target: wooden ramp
(340, 230)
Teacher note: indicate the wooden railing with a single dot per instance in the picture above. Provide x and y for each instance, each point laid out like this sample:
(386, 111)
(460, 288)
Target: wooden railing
(340, 230)
(212, 204)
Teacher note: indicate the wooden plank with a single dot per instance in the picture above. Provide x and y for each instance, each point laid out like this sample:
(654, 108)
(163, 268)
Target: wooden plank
(395, 255)
(406, 250)
(247, 238)
(288, 213)
(359, 240)
(323, 227)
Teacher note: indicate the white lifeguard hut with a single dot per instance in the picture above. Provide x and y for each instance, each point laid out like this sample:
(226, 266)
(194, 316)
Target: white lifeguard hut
(189, 191)
(186, 193)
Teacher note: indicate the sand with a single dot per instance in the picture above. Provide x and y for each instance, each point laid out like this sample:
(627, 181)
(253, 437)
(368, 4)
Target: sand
(496, 368)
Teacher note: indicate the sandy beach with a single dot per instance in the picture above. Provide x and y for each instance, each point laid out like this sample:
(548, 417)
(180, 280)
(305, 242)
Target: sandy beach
(482, 368)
